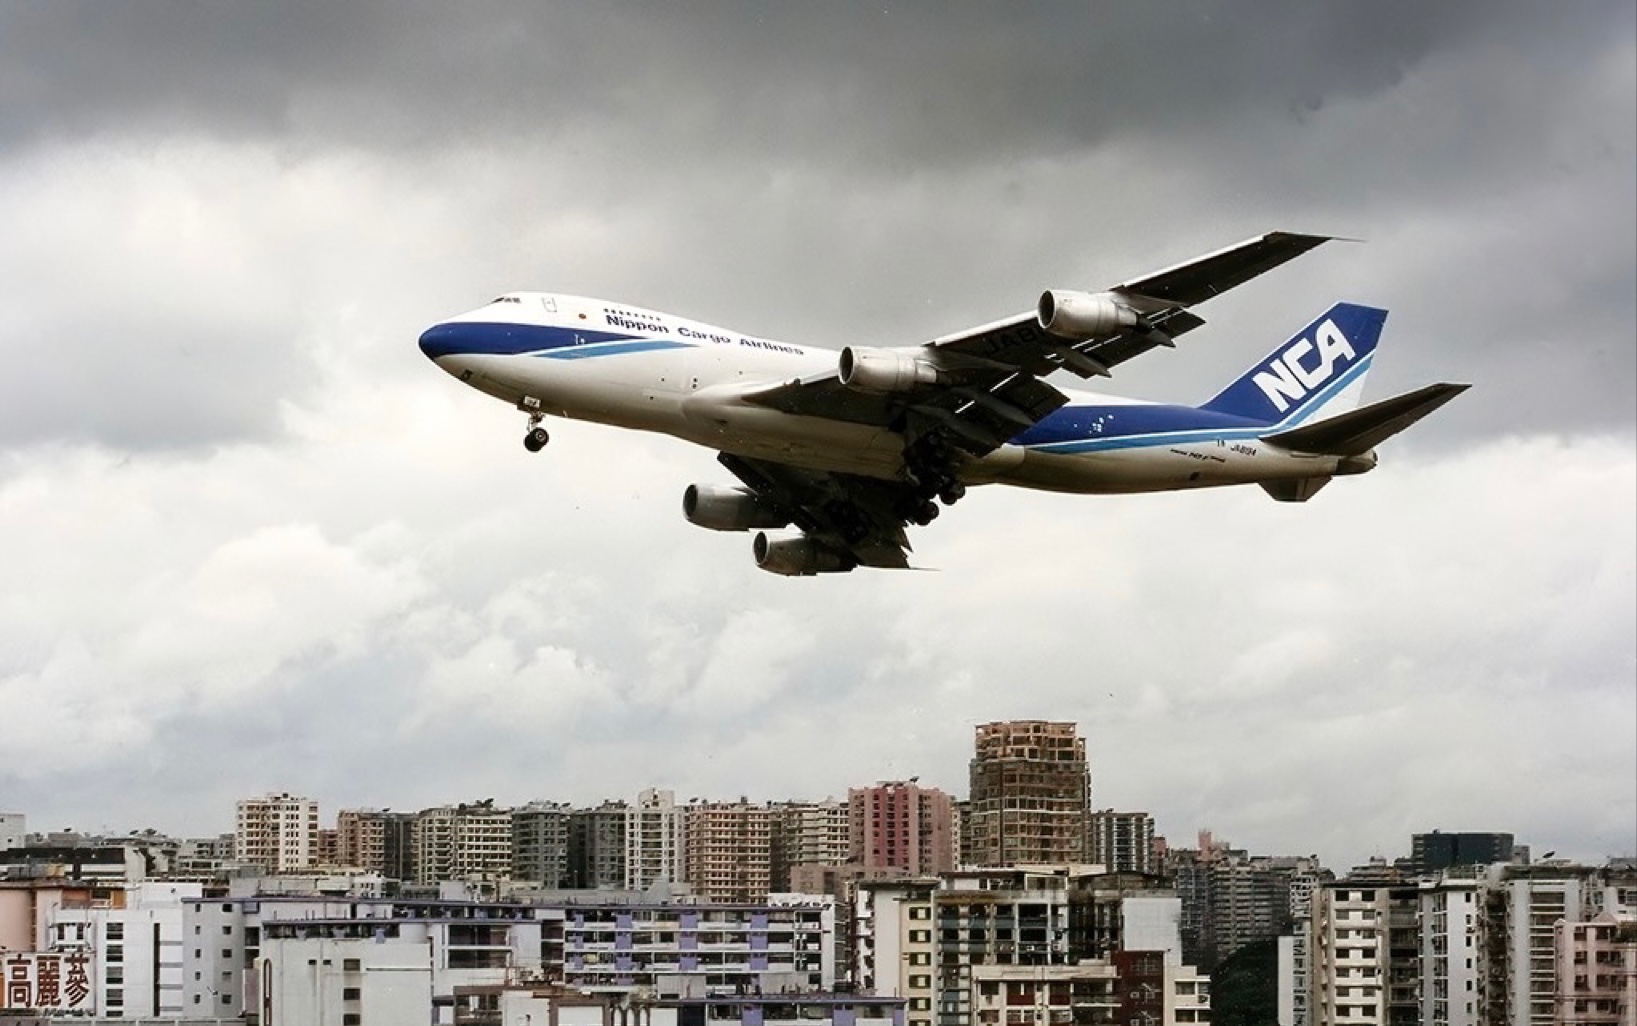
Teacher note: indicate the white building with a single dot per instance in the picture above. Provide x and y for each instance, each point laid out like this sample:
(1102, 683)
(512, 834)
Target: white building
(278, 832)
(133, 944)
(1451, 958)
(13, 830)
(653, 840)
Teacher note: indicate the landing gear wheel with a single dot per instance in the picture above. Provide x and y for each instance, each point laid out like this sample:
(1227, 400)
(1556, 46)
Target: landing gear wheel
(926, 514)
(536, 439)
(952, 493)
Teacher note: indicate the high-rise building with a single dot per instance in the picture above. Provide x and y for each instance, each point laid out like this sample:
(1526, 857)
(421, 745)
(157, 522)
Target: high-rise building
(1123, 842)
(729, 851)
(807, 834)
(278, 832)
(462, 842)
(902, 825)
(1438, 851)
(596, 846)
(1450, 952)
(1364, 956)
(653, 840)
(540, 844)
(361, 836)
(1030, 793)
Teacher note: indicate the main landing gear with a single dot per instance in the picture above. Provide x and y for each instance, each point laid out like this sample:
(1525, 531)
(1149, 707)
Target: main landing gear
(929, 467)
(536, 438)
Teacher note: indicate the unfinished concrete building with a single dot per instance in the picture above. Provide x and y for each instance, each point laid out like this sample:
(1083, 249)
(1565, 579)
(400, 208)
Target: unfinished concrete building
(1030, 794)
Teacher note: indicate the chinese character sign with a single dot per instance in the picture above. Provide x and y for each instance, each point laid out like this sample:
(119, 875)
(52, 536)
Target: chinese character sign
(47, 981)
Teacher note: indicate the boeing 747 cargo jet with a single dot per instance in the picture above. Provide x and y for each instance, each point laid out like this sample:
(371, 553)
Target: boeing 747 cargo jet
(850, 448)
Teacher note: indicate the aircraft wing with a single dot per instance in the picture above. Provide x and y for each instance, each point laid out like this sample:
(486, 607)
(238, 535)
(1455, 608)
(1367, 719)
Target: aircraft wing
(983, 386)
(858, 517)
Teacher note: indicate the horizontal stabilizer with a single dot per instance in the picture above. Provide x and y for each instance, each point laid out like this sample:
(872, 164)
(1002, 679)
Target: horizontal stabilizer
(1358, 431)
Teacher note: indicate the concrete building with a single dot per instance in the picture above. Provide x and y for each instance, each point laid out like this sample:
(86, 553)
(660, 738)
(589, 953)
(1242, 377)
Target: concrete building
(1451, 957)
(651, 947)
(1027, 945)
(729, 855)
(1438, 851)
(1123, 842)
(540, 844)
(807, 834)
(653, 841)
(1364, 957)
(278, 832)
(1030, 795)
(361, 838)
(1597, 972)
(901, 825)
(13, 830)
(468, 842)
(596, 846)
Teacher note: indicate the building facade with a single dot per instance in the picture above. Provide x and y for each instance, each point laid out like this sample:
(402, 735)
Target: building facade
(728, 851)
(1123, 842)
(1030, 795)
(904, 826)
(278, 832)
(653, 840)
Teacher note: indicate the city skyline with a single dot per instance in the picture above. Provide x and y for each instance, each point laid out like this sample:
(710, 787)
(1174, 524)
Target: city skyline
(252, 540)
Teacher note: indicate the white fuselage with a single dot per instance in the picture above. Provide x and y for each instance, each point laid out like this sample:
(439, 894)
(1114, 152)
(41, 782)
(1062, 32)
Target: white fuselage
(687, 379)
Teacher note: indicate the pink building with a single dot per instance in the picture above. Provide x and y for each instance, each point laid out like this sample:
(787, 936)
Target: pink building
(901, 825)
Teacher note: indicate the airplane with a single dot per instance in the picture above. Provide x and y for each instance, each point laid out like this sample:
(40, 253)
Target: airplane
(851, 448)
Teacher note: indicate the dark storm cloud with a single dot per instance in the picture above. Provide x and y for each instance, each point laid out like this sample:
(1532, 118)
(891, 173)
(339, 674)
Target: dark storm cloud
(871, 86)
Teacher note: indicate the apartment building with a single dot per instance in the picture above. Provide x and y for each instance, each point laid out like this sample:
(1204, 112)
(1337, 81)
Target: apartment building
(653, 840)
(807, 834)
(596, 846)
(701, 949)
(1449, 972)
(904, 826)
(1597, 972)
(1123, 842)
(729, 851)
(540, 846)
(278, 832)
(1030, 795)
(471, 842)
(1364, 954)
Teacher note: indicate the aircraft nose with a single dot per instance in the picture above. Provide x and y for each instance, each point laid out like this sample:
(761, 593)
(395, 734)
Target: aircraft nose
(440, 340)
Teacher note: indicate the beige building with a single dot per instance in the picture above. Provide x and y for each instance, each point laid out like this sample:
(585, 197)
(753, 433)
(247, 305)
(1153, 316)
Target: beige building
(1597, 972)
(728, 851)
(462, 842)
(1030, 795)
(807, 834)
(278, 832)
(361, 836)
(653, 840)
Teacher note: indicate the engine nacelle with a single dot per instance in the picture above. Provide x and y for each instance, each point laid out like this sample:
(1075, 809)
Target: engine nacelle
(728, 509)
(798, 557)
(885, 370)
(1083, 315)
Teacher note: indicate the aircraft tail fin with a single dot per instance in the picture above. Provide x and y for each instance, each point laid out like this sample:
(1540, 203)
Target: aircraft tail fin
(1318, 372)
(1356, 432)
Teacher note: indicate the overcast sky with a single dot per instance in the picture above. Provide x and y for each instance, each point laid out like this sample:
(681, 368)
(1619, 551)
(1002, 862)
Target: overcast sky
(251, 540)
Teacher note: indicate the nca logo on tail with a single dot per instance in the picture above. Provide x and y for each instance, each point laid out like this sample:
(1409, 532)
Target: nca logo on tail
(1286, 378)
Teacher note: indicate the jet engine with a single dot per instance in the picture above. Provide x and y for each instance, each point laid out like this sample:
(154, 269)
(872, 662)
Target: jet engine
(798, 557)
(1083, 315)
(885, 370)
(728, 509)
